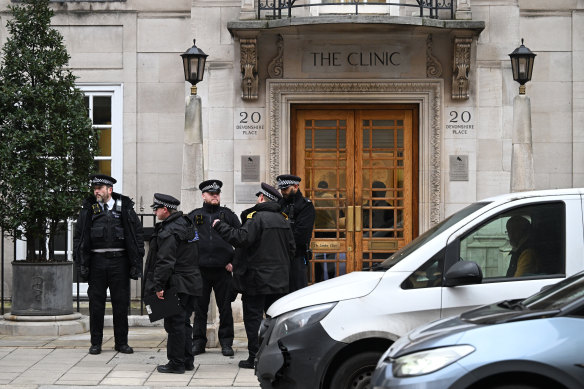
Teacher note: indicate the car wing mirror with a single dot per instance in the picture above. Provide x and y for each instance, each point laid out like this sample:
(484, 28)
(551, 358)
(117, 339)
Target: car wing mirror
(463, 273)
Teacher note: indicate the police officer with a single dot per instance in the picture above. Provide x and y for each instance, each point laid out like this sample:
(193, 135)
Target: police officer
(265, 247)
(301, 214)
(215, 262)
(172, 263)
(108, 250)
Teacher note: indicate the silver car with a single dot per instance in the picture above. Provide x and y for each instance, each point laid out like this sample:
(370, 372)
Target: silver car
(533, 343)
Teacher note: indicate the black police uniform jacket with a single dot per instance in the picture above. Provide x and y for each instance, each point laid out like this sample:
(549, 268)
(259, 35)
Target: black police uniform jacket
(173, 257)
(267, 246)
(133, 235)
(301, 214)
(213, 250)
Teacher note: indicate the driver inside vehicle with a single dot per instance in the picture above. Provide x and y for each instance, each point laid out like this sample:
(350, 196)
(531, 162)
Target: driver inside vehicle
(524, 259)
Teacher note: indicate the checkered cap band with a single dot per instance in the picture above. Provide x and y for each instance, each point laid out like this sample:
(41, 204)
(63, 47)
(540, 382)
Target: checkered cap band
(268, 195)
(286, 183)
(101, 181)
(158, 203)
(213, 187)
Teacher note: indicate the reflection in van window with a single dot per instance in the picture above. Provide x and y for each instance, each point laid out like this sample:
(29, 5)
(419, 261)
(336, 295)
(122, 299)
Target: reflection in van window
(429, 275)
(522, 242)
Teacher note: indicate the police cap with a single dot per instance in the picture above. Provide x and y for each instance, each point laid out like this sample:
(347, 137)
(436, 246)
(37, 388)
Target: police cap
(102, 179)
(164, 200)
(270, 192)
(286, 180)
(211, 186)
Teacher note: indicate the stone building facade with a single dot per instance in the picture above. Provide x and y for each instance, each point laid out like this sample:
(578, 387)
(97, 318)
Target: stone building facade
(422, 105)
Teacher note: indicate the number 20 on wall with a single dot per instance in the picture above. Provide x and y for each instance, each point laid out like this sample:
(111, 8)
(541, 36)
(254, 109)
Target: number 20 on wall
(463, 116)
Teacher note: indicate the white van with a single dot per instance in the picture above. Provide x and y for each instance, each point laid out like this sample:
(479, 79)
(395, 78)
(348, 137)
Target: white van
(331, 334)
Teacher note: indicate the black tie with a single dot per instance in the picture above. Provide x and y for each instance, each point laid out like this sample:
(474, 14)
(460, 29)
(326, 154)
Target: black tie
(105, 207)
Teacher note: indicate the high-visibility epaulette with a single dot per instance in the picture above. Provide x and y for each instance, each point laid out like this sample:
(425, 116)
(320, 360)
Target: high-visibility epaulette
(250, 215)
(286, 216)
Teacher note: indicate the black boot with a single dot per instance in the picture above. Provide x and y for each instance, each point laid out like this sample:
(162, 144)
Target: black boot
(198, 349)
(247, 363)
(171, 368)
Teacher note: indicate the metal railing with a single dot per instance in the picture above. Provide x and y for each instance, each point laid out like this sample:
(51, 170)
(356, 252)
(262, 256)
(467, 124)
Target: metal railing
(147, 219)
(274, 9)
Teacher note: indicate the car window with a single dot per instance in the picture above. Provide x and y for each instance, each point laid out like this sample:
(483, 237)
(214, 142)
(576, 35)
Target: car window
(522, 242)
(429, 275)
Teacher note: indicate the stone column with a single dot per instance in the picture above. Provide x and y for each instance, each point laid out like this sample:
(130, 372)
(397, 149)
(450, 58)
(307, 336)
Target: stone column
(193, 170)
(193, 165)
(463, 10)
(522, 173)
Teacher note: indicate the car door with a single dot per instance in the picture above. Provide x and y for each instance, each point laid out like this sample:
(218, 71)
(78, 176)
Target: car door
(549, 225)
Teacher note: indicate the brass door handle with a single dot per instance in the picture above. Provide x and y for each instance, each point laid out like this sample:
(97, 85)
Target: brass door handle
(350, 221)
(358, 218)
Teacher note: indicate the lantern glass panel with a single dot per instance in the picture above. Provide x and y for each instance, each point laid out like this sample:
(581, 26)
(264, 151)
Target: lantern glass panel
(201, 66)
(186, 67)
(523, 68)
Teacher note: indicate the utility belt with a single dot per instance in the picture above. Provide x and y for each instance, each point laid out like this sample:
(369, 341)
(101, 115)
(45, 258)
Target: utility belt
(110, 254)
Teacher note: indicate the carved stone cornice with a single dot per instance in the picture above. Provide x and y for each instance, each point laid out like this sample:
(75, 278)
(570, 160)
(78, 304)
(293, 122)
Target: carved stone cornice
(461, 68)
(433, 66)
(276, 65)
(249, 68)
(428, 94)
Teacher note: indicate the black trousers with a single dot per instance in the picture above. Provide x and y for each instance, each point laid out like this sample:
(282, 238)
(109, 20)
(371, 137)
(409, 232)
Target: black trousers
(179, 346)
(298, 274)
(254, 307)
(221, 281)
(112, 273)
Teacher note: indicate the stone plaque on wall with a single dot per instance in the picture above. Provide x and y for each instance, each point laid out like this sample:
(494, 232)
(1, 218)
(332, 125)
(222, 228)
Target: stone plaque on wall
(245, 194)
(458, 167)
(250, 168)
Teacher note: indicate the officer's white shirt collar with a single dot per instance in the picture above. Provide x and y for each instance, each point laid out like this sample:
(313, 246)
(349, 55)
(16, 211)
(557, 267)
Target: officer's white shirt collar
(110, 204)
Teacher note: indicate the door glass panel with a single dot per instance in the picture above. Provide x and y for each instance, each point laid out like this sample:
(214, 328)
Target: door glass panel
(383, 139)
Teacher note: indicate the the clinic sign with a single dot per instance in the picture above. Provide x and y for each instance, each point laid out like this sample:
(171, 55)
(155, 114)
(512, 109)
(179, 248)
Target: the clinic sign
(391, 58)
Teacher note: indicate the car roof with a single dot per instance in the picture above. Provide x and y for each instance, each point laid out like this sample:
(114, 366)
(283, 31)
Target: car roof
(536, 193)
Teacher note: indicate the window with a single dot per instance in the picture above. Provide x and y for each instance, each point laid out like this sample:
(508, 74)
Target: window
(364, 7)
(523, 242)
(429, 275)
(104, 104)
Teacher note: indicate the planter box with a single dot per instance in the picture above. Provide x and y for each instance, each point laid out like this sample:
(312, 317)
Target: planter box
(42, 289)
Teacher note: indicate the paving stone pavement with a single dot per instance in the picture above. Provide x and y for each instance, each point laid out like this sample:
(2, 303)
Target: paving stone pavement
(57, 362)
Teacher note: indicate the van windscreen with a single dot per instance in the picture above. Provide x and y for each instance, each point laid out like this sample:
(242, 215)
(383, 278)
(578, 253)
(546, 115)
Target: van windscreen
(428, 235)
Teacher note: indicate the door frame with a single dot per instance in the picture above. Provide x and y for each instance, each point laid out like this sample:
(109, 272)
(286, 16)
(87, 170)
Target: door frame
(426, 93)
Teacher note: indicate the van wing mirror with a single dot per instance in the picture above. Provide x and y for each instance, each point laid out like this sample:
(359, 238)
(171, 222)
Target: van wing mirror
(463, 273)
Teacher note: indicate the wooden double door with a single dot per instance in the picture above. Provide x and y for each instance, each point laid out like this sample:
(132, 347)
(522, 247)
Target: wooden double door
(359, 166)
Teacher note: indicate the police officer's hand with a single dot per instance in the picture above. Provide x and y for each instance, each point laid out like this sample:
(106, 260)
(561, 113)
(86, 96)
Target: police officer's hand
(83, 273)
(160, 294)
(229, 267)
(134, 273)
(215, 222)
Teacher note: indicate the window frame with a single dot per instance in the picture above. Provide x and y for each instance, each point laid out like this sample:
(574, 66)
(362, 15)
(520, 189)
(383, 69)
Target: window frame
(453, 248)
(115, 91)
